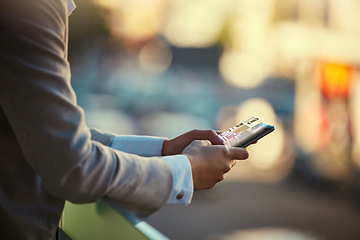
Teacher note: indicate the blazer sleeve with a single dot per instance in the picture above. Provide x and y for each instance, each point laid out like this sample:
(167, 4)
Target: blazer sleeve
(39, 102)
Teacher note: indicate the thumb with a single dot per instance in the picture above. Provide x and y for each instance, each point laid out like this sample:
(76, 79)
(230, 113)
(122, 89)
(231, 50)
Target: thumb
(238, 153)
(201, 143)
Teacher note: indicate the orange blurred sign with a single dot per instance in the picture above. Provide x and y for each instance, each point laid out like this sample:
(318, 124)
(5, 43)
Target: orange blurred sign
(336, 79)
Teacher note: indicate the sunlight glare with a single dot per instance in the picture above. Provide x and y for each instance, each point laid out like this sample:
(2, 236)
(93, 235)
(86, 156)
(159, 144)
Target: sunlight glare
(243, 70)
(155, 57)
(195, 23)
(266, 153)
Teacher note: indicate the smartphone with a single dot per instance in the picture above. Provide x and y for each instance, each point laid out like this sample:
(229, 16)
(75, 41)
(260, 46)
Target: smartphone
(247, 132)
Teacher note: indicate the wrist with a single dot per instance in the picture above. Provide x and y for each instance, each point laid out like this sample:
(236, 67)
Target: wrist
(164, 151)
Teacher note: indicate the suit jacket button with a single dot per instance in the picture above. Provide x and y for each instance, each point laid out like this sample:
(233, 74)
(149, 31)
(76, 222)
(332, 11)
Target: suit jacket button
(179, 196)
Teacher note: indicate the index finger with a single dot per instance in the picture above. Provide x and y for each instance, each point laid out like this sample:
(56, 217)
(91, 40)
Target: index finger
(210, 135)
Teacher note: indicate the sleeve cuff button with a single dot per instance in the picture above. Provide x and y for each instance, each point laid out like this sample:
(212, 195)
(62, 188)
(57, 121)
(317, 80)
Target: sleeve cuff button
(179, 196)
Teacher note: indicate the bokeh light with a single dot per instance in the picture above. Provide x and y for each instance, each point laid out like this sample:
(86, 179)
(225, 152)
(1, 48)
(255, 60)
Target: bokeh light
(243, 70)
(271, 159)
(266, 153)
(270, 233)
(335, 79)
(136, 20)
(225, 118)
(250, 23)
(308, 123)
(196, 23)
(155, 56)
(170, 125)
(111, 120)
(355, 120)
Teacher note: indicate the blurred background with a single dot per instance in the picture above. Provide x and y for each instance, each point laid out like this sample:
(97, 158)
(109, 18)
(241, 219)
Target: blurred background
(164, 67)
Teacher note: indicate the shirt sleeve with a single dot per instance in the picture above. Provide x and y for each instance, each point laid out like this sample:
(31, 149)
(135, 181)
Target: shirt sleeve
(145, 146)
(182, 190)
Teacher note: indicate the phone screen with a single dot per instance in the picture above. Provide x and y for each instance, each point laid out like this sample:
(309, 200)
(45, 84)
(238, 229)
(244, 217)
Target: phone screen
(251, 134)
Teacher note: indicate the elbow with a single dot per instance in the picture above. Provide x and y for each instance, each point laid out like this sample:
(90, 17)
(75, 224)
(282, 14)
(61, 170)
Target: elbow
(72, 189)
(79, 183)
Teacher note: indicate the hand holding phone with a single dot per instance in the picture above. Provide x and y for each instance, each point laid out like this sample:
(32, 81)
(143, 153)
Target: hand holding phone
(246, 132)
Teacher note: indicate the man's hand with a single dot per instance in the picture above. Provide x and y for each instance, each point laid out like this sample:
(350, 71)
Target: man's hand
(178, 144)
(210, 162)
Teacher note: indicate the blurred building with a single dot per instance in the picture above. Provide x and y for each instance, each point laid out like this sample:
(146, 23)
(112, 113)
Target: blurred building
(211, 64)
(164, 67)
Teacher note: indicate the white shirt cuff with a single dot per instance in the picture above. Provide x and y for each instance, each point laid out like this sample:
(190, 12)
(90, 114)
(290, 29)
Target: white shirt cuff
(183, 187)
(147, 146)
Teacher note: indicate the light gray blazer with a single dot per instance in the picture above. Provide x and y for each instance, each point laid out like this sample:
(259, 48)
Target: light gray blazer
(47, 153)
